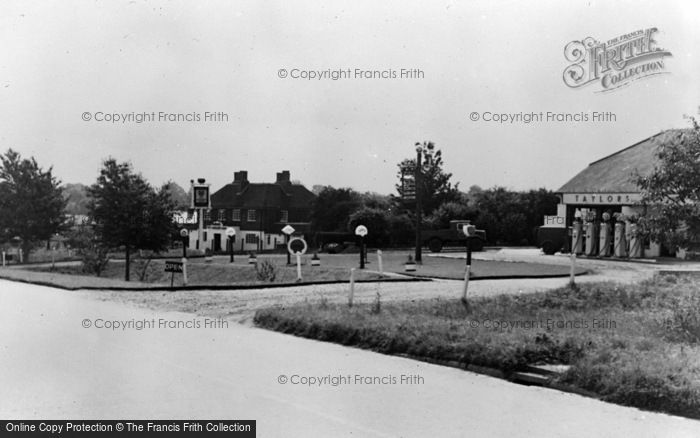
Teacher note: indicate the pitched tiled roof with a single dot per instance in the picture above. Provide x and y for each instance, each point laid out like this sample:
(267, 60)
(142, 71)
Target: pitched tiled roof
(259, 195)
(615, 173)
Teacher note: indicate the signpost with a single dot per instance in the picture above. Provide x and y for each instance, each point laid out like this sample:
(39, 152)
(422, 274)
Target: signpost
(200, 201)
(173, 267)
(185, 234)
(297, 246)
(288, 230)
(469, 231)
(361, 231)
(231, 233)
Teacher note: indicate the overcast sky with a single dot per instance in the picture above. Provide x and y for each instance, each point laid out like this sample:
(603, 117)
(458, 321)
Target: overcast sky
(61, 59)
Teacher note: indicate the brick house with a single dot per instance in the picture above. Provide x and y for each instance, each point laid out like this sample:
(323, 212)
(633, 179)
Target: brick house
(258, 212)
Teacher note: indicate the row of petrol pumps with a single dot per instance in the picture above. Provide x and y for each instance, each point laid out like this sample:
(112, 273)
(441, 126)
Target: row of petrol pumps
(612, 235)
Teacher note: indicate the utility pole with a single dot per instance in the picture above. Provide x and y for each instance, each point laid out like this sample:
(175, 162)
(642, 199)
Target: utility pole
(419, 208)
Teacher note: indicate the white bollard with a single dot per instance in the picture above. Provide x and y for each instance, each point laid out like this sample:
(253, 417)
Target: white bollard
(184, 271)
(298, 266)
(572, 275)
(3, 258)
(466, 283)
(379, 262)
(352, 286)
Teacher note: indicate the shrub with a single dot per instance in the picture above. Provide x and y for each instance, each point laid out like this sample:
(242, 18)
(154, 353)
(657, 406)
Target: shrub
(266, 271)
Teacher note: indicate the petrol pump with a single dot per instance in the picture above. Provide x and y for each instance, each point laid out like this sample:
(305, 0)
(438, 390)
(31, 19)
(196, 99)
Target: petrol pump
(635, 250)
(591, 234)
(577, 234)
(620, 249)
(605, 241)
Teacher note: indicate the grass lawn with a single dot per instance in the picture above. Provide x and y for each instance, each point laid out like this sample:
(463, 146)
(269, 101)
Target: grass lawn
(201, 273)
(636, 345)
(437, 267)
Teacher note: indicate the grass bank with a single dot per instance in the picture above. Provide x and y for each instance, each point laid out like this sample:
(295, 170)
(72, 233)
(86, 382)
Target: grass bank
(636, 345)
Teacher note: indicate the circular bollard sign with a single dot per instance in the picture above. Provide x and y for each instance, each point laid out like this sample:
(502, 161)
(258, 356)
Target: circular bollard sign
(469, 230)
(297, 245)
(230, 231)
(361, 231)
(184, 232)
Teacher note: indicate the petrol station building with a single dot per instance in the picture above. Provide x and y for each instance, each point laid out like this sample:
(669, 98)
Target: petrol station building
(599, 205)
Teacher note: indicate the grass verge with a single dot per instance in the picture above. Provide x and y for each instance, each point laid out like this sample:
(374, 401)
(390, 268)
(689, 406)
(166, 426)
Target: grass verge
(636, 345)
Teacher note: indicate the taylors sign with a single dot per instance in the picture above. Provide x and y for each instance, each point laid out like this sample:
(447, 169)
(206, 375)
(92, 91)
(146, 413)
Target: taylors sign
(602, 198)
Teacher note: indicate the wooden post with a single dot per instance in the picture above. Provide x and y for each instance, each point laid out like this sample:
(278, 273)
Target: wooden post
(572, 274)
(184, 271)
(362, 252)
(3, 258)
(467, 271)
(352, 286)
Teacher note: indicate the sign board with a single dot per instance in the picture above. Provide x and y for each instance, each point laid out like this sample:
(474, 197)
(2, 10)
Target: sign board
(200, 195)
(288, 230)
(230, 231)
(469, 230)
(602, 198)
(173, 266)
(184, 232)
(297, 245)
(554, 222)
(408, 187)
(361, 231)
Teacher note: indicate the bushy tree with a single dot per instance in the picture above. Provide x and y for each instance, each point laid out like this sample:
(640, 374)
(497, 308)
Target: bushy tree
(332, 208)
(376, 221)
(448, 211)
(435, 186)
(671, 191)
(31, 201)
(128, 213)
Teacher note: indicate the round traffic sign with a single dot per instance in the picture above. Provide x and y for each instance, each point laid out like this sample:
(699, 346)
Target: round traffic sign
(469, 230)
(230, 231)
(297, 245)
(184, 232)
(361, 231)
(288, 230)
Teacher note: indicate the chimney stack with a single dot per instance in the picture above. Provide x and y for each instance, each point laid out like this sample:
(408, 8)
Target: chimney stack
(240, 176)
(283, 177)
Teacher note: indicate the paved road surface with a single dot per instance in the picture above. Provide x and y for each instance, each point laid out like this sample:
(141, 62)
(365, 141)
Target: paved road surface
(53, 368)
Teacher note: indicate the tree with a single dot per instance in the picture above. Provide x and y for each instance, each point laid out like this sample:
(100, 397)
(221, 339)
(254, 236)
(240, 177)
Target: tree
(448, 211)
(31, 201)
(180, 197)
(76, 198)
(671, 192)
(332, 208)
(376, 221)
(128, 213)
(436, 187)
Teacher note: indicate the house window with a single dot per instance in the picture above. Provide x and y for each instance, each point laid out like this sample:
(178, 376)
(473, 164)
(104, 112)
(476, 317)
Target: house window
(236, 215)
(251, 238)
(251, 216)
(205, 236)
(221, 214)
(284, 216)
(268, 239)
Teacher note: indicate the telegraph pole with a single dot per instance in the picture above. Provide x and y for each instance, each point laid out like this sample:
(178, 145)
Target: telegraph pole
(419, 210)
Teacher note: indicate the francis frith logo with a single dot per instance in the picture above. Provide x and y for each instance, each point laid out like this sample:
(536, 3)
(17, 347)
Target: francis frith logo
(614, 63)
